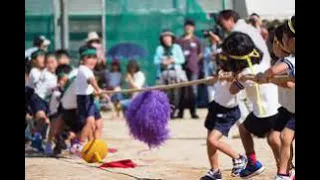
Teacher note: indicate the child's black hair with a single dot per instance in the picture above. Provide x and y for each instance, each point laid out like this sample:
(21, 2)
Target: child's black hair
(84, 48)
(278, 33)
(239, 44)
(287, 29)
(61, 52)
(37, 53)
(63, 69)
(226, 14)
(49, 54)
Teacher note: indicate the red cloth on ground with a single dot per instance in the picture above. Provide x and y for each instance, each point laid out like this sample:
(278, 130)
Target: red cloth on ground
(127, 163)
(112, 150)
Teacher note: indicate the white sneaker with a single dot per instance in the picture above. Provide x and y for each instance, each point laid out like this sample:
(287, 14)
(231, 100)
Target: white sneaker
(48, 149)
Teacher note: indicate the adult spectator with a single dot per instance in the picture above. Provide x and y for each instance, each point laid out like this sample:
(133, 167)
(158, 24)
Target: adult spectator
(191, 47)
(169, 59)
(230, 21)
(255, 21)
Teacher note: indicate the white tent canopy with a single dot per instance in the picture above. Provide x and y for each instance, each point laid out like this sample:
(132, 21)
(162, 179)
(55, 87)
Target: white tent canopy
(271, 9)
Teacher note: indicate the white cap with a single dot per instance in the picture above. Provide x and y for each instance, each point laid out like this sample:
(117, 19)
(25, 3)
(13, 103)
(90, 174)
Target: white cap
(92, 36)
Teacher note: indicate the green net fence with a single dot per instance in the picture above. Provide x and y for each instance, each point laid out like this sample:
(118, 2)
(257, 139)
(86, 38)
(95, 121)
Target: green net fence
(133, 21)
(39, 20)
(141, 22)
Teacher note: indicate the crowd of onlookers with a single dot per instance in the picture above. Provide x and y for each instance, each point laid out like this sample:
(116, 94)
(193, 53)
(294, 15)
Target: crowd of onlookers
(177, 58)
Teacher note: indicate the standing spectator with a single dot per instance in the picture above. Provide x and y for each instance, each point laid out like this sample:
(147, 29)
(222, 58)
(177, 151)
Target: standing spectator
(191, 47)
(169, 59)
(255, 21)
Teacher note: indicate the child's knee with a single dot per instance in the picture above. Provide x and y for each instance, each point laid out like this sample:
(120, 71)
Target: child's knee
(286, 139)
(213, 142)
(274, 139)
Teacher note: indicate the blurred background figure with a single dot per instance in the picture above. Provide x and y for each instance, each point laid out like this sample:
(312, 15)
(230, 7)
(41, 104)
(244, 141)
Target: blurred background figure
(113, 81)
(191, 47)
(169, 60)
(255, 21)
(135, 80)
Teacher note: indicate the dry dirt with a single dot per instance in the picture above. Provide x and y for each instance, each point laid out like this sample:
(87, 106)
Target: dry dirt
(181, 157)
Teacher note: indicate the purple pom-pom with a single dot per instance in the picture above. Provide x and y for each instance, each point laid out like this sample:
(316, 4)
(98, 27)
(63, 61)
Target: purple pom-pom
(148, 116)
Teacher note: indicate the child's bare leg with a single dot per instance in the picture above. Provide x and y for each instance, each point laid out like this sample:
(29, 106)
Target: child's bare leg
(87, 129)
(287, 136)
(275, 144)
(43, 123)
(246, 139)
(212, 154)
(214, 140)
(98, 129)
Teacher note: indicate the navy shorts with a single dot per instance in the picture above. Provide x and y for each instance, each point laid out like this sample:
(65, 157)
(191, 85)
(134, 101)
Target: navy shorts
(288, 117)
(37, 104)
(87, 108)
(260, 127)
(70, 117)
(221, 118)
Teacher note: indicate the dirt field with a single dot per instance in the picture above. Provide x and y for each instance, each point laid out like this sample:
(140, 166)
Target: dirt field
(182, 157)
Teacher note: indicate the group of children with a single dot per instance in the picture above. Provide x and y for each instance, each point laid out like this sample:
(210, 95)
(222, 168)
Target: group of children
(62, 99)
(273, 114)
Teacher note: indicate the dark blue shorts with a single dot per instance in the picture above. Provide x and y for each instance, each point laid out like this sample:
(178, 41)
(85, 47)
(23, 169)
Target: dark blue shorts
(221, 118)
(87, 108)
(288, 117)
(260, 127)
(37, 104)
(70, 118)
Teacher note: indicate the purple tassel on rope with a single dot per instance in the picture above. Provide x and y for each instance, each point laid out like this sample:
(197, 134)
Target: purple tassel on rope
(148, 116)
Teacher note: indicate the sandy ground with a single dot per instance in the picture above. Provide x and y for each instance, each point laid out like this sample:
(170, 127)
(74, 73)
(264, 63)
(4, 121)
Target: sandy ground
(183, 156)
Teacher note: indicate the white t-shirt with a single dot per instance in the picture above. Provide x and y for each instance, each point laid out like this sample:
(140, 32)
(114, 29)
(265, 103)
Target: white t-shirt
(34, 77)
(222, 95)
(255, 35)
(54, 102)
(47, 82)
(114, 79)
(268, 93)
(139, 81)
(286, 95)
(28, 52)
(69, 98)
(82, 85)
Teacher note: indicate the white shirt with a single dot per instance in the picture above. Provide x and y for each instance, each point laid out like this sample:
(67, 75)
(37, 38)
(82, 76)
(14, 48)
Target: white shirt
(73, 73)
(54, 102)
(286, 95)
(34, 77)
(114, 79)
(69, 98)
(138, 80)
(222, 95)
(268, 93)
(255, 35)
(82, 85)
(28, 52)
(47, 82)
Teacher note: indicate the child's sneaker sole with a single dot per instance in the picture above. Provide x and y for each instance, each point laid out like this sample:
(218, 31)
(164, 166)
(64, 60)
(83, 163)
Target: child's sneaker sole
(259, 171)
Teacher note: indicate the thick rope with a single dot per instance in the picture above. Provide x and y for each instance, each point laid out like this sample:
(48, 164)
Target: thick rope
(211, 79)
